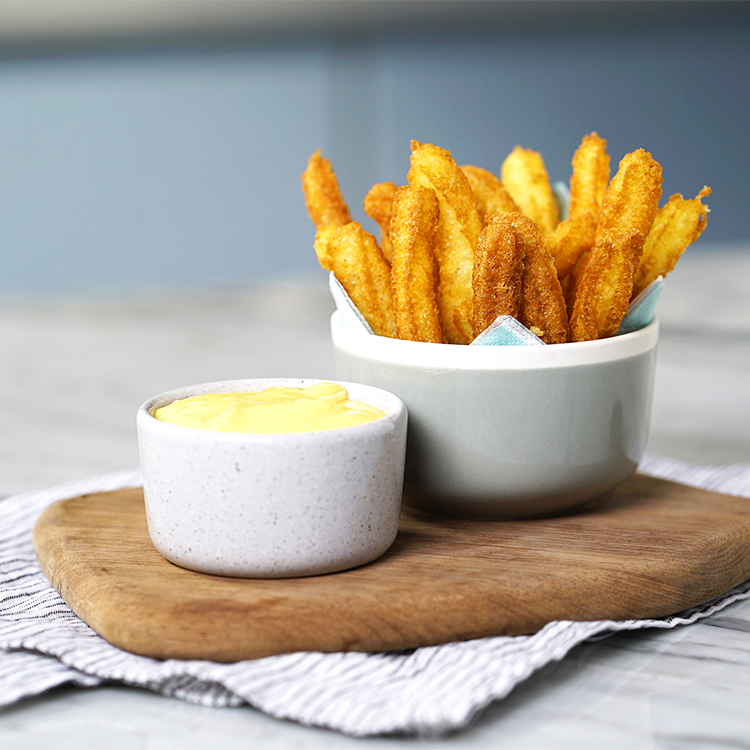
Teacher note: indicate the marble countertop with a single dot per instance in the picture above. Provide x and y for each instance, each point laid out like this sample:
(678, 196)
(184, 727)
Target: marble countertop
(73, 372)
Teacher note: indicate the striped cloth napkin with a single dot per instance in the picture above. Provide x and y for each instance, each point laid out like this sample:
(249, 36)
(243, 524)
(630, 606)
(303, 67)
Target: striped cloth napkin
(425, 691)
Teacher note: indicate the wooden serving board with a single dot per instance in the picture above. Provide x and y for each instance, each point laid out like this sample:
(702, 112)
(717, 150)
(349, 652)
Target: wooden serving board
(650, 548)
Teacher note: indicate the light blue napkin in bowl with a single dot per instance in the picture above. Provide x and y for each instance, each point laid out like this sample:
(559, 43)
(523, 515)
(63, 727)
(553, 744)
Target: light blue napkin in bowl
(506, 330)
(350, 314)
(641, 309)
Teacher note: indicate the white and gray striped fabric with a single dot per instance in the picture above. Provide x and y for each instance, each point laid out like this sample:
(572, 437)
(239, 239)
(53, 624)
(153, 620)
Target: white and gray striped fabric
(427, 691)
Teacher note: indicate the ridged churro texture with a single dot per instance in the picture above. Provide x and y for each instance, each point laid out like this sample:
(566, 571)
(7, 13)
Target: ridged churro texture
(461, 246)
(677, 224)
(456, 238)
(498, 272)
(491, 195)
(325, 203)
(632, 197)
(569, 240)
(543, 309)
(590, 177)
(378, 206)
(414, 277)
(358, 264)
(525, 177)
(606, 284)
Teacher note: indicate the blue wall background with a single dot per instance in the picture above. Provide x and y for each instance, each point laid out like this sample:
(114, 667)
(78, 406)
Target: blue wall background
(172, 165)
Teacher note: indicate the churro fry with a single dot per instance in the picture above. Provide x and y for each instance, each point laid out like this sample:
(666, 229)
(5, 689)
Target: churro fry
(569, 240)
(678, 223)
(542, 303)
(590, 177)
(378, 206)
(413, 268)
(456, 238)
(498, 272)
(630, 203)
(525, 178)
(323, 237)
(358, 264)
(606, 284)
(461, 246)
(491, 195)
(632, 197)
(325, 203)
(571, 280)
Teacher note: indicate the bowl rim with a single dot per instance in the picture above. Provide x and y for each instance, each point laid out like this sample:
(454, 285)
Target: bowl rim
(392, 405)
(427, 355)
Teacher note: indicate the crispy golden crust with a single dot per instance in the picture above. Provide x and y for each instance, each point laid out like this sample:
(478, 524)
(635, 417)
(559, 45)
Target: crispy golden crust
(606, 284)
(456, 238)
(413, 268)
(632, 197)
(491, 195)
(590, 177)
(677, 224)
(359, 266)
(569, 240)
(325, 204)
(614, 242)
(571, 280)
(323, 237)
(378, 206)
(525, 178)
(542, 303)
(498, 272)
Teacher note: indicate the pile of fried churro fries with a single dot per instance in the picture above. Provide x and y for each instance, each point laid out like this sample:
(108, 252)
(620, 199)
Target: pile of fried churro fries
(460, 246)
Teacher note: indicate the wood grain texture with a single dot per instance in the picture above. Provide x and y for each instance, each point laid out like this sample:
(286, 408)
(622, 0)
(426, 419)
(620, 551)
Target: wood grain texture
(650, 548)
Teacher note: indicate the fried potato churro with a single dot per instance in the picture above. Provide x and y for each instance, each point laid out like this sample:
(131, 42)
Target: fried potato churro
(456, 238)
(491, 195)
(569, 240)
(461, 246)
(590, 177)
(525, 178)
(678, 223)
(413, 268)
(325, 203)
(543, 308)
(632, 197)
(323, 244)
(358, 264)
(606, 284)
(498, 272)
(571, 280)
(378, 206)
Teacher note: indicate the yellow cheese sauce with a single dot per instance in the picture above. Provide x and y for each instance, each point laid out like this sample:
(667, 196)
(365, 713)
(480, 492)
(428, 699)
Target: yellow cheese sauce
(324, 406)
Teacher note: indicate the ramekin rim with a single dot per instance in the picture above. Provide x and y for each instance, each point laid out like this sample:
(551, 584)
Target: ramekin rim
(144, 412)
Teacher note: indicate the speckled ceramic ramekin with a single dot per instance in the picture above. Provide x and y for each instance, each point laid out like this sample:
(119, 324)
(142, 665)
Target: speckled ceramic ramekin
(278, 505)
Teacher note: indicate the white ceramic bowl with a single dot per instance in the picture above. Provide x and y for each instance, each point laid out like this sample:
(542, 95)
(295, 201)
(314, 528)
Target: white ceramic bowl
(278, 505)
(511, 431)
